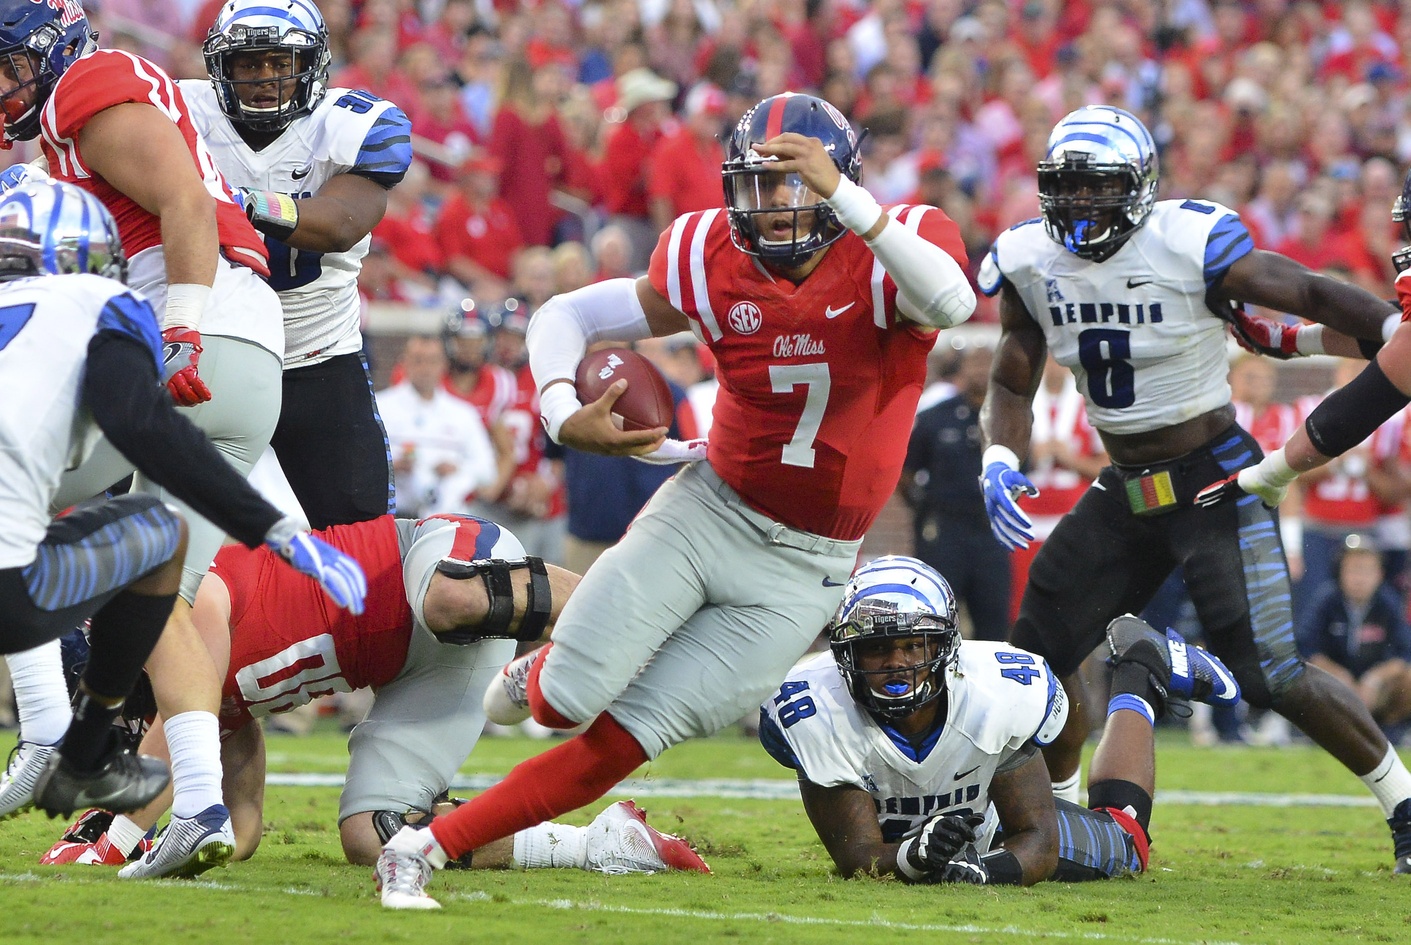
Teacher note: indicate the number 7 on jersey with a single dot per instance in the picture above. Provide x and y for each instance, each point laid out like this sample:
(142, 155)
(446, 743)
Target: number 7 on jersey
(783, 378)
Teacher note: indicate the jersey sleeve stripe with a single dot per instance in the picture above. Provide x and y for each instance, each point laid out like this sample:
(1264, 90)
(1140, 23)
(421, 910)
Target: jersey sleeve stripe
(64, 148)
(1227, 243)
(879, 276)
(698, 274)
(771, 737)
(673, 263)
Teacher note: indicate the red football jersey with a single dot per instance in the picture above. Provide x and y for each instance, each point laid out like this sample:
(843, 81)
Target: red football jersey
(522, 420)
(495, 391)
(818, 381)
(1339, 499)
(112, 77)
(1273, 426)
(289, 643)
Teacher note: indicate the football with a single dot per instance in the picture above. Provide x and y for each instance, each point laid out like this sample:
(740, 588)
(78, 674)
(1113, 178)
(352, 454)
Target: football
(647, 402)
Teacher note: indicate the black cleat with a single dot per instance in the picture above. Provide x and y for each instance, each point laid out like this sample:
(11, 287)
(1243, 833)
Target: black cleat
(1400, 824)
(124, 783)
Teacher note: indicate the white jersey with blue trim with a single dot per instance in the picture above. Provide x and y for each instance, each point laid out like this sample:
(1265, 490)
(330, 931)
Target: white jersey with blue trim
(1135, 329)
(1000, 700)
(45, 326)
(349, 131)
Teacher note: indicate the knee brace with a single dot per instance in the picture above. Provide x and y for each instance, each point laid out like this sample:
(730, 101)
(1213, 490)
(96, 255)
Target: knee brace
(388, 822)
(495, 572)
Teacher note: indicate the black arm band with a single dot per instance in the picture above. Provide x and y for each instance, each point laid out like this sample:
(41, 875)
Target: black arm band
(1348, 416)
(1004, 868)
(1369, 349)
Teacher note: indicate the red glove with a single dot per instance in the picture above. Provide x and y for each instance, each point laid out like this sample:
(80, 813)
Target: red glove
(1265, 336)
(181, 351)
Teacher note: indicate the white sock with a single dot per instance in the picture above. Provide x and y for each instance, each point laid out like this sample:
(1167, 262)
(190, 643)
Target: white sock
(124, 834)
(418, 840)
(549, 845)
(40, 693)
(194, 741)
(1067, 789)
(1389, 781)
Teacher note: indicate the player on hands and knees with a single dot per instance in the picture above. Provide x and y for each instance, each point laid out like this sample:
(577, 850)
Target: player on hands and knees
(446, 597)
(116, 126)
(917, 751)
(820, 308)
(1134, 295)
(312, 167)
(82, 356)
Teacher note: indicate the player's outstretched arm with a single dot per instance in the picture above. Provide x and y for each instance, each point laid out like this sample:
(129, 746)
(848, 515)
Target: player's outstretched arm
(333, 220)
(845, 819)
(1006, 420)
(1023, 798)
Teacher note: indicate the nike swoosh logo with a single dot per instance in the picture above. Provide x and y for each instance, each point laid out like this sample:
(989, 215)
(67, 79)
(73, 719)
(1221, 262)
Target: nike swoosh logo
(1133, 283)
(964, 774)
(301, 173)
(828, 583)
(831, 312)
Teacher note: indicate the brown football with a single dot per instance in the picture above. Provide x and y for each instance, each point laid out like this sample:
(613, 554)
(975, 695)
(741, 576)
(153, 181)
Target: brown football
(647, 402)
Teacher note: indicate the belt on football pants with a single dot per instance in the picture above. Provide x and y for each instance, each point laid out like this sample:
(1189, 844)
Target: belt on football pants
(775, 533)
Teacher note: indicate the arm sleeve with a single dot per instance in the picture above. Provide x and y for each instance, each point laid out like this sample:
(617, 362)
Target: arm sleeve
(924, 257)
(135, 412)
(565, 325)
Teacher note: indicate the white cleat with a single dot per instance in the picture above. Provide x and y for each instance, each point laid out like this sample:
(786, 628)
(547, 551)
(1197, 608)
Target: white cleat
(187, 847)
(402, 878)
(27, 759)
(507, 700)
(620, 841)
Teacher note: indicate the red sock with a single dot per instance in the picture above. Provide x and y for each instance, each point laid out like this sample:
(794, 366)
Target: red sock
(565, 778)
(539, 707)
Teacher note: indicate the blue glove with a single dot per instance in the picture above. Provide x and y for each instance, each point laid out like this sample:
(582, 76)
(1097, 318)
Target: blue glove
(17, 175)
(1002, 485)
(341, 576)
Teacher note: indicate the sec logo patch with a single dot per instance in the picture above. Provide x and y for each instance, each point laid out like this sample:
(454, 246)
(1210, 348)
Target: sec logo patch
(745, 318)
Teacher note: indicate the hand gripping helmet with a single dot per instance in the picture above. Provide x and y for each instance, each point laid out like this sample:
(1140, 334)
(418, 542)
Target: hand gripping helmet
(39, 40)
(1401, 213)
(751, 190)
(49, 228)
(888, 598)
(293, 26)
(1097, 182)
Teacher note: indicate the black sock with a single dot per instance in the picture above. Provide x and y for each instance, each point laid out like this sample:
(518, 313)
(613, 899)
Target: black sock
(91, 736)
(1135, 678)
(1122, 795)
(120, 640)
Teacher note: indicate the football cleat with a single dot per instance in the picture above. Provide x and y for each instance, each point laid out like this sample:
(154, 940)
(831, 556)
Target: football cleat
(402, 873)
(86, 841)
(27, 760)
(125, 783)
(507, 700)
(1191, 672)
(187, 847)
(1400, 824)
(620, 841)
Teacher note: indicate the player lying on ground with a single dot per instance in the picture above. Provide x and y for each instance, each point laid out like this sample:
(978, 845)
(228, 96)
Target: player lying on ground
(917, 753)
(436, 629)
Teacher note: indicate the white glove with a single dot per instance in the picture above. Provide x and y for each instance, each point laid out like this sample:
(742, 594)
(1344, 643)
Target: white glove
(672, 452)
(1269, 478)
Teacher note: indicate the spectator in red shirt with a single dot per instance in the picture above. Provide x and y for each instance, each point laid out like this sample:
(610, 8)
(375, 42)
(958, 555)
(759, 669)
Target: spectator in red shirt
(479, 231)
(442, 119)
(641, 110)
(530, 145)
(374, 67)
(684, 168)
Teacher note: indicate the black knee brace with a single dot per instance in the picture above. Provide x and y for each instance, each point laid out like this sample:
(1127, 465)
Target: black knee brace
(1348, 416)
(496, 574)
(388, 822)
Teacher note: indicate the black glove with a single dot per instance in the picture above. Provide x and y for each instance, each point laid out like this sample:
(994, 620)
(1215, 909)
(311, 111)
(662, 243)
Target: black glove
(967, 867)
(941, 839)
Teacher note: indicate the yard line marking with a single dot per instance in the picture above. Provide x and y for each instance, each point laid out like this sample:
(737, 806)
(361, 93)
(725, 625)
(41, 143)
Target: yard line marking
(874, 922)
(767, 789)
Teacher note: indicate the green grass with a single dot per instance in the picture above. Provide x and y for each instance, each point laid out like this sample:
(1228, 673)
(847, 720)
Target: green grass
(1312, 874)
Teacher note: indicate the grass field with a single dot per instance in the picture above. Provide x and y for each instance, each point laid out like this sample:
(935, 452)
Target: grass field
(1316, 869)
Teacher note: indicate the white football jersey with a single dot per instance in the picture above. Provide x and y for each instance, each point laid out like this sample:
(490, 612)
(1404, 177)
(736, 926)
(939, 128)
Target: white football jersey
(349, 131)
(1135, 330)
(999, 699)
(45, 326)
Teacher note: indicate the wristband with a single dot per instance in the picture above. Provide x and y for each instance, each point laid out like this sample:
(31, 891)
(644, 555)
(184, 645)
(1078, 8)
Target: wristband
(272, 213)
(1003, 867)
(1275, 470)
(186, 302)
(854, 207)
(1308, 340)
(904, 862)
(557, 402)
(999, 454)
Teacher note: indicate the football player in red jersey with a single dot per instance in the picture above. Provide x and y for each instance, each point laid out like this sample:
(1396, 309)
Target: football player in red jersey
(820, 308)
(115, 125)
(435, 631)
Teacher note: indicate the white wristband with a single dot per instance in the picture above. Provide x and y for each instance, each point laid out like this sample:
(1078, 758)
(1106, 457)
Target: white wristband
(186, 303)
(1275, 470)
(1389, 325)
(999, 454)
(557, 403)
(904, 865)
(854, 207)
(1309, 340)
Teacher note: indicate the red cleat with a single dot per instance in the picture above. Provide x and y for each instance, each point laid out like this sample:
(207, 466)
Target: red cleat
(621, 841)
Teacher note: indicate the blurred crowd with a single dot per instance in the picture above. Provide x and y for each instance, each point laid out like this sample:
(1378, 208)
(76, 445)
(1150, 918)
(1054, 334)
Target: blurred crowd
(540, 122)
